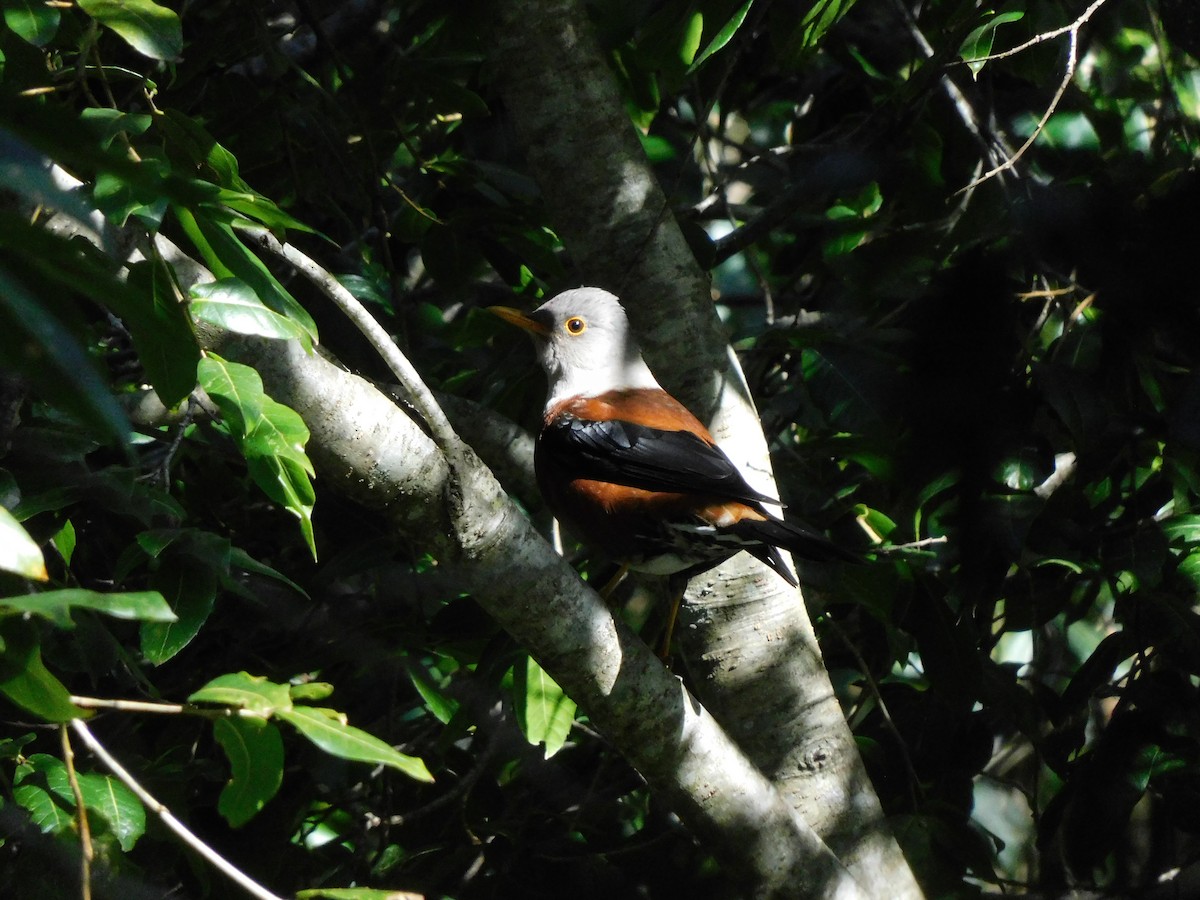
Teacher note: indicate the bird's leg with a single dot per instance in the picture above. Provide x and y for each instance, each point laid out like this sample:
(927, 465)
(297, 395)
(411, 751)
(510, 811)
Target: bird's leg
(607, 590)
(676, 585)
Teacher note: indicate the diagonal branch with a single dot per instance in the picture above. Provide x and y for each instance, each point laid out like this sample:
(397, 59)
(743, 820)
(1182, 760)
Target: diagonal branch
(364, 445)
(181, 831)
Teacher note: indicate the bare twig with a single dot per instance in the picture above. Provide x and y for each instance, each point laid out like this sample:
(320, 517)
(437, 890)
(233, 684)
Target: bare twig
(227, 868)
(145, 706)
(1072, 32)
(911, 545)
(1064, 468)
(87, 852)
(914, 782)
(1044, 36)
(993, 144)
(418, 393)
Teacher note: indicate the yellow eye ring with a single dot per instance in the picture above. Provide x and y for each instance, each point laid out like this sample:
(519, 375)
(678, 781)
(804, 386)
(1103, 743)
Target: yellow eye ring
(575, 325)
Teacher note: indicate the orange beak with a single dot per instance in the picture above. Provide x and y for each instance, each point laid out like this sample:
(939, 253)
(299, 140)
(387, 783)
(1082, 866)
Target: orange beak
(518, 318)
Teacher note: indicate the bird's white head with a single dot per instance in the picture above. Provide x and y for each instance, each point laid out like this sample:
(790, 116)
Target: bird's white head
(584, 343)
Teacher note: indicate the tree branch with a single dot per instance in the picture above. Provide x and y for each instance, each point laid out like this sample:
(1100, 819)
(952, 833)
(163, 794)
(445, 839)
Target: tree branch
(747, 635)
(363, 444)
(228, 869)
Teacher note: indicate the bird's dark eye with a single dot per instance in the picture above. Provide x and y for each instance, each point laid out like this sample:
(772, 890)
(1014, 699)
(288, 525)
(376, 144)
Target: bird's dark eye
(576, 325)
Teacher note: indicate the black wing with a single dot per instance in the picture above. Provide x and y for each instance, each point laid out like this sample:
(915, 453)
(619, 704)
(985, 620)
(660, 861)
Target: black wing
(642, 457)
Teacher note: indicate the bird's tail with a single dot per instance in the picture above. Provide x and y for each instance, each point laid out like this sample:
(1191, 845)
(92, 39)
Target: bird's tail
(803, 541)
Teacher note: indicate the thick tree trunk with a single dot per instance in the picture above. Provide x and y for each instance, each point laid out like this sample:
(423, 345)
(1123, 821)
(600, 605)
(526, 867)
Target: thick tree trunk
(748, 637)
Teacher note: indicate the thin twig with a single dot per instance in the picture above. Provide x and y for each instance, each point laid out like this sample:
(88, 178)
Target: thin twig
(911, 545)
(419, 394)
(914, 782)
(87, 852)
(181, 831)
(1072, 31)
(1040, 38)
(991, 142)
(176, 709)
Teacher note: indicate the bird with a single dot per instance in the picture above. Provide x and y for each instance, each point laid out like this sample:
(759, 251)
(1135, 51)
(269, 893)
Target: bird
(627, 468)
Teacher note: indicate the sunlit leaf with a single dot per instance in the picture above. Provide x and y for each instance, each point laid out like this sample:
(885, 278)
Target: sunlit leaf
(212, 232)
(230, 304)
(255, 752)
(245, 691)
(43, 787)
(33, 21)
(152, 30)
(148, 606)
(327, 730)
(722, 37)
(442, 706)
(978, 44)
(544, 712)
(19, 553)
(271, 437)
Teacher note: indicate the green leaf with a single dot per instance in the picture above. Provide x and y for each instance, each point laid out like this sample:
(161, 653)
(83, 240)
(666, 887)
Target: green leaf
(108, 123)
(19, 553)
(327, 729)
(877, 521)
(242, 690)
(544, 712)
(120, 197)
(803, 37)
(270, 435)
(191, 590)
(255, 752)
(240, 559)
(42, 786)
(64, 541)
(162, 333)
(722, 37)
(150, 29)
(115, 803)
(24, 678)
(692, 32)
(46, 809)
(32, 20)
(56, 605)
(226, 256)
(259, 208)
(236, 389)
(978, 44)
(11, 748)
(442, 706)
(194, 149)
(279, 432)
(311, 690)
(230, 304)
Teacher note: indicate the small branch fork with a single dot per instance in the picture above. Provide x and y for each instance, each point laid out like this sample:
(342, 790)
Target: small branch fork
(1072, 32)
(419, 395)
